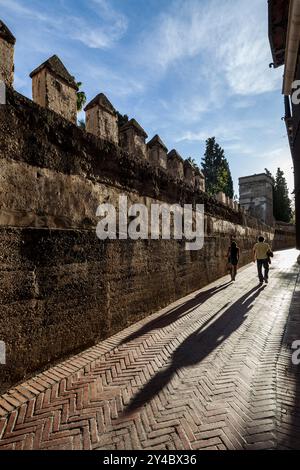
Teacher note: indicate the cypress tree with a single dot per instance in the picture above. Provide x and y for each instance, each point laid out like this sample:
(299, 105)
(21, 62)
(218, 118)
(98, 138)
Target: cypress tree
(216, 169)
(282, 203)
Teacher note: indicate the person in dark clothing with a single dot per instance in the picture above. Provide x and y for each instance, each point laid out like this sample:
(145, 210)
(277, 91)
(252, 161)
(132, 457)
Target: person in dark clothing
(233, 256)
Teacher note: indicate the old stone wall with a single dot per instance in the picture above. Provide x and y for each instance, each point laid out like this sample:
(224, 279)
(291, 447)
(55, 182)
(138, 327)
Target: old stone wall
(6, 62)
(54, 94)
(295, 141)
(61, 98)
(39, 88)
(256, 196)
(285, 236)
(62, 289)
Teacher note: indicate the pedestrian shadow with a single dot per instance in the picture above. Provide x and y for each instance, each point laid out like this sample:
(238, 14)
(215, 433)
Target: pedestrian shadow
(177, 312)
(198, 346)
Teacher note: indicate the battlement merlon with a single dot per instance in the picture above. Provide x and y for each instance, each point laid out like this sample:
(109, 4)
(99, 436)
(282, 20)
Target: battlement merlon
(53, 87)
(7, 43)
(157, 152)
(133, 138)
(175, 164)
(6, 34)
(189, 172)
(101, 119)
(256, 196)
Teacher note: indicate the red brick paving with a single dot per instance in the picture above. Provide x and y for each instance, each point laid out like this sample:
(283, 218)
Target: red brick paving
(211, 371)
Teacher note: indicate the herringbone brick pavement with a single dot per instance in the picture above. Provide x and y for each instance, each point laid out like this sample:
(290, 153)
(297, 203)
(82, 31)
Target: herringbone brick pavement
(211, 371)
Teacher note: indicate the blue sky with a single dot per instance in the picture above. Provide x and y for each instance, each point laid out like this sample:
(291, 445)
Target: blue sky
(185, 69)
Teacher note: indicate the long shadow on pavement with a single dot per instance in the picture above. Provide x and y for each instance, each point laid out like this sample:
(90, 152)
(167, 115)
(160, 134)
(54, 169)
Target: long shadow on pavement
(198, 346)
(172, 315)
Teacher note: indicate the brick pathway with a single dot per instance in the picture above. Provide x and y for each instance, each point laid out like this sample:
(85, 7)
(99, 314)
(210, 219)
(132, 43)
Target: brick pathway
(212, 371)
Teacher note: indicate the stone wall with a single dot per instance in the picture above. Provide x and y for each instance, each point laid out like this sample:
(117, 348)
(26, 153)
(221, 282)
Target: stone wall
(39, 93)
(61, 98)
(54, 94)
(295, 146)
(62, 289)
(256, 196)
(285, 236)
(6, 62)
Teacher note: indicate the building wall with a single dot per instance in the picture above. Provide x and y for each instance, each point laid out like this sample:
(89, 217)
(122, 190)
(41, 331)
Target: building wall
(284, 237)
(133, 143)
(6, 62)
(296, 157)
(175, 168)
(158, 156)
(39, 88)
(64, 290)
(256, 196)
(61, 288)
(52, 93)
(102, 124)
(139, 145)
(61, 98)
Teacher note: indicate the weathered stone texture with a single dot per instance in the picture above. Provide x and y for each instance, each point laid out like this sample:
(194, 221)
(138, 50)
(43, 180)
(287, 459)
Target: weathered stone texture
(63, 290)
(175, 165)
(101, 119)
(54, 88)
(199, 180)
(189, 173)
(6, 62)
(256, 196)
(157, 152)
(285, 236)
(133, 139)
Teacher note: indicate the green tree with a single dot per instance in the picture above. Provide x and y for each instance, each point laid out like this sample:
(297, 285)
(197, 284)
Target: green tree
(268, 173)
(282, 203)
(228, 183)
(209, 167)
(193, 163)
(81, 124)
(81, 97)
(216, 169)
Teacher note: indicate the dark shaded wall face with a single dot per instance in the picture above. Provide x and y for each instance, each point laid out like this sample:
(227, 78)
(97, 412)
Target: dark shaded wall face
(296, 156)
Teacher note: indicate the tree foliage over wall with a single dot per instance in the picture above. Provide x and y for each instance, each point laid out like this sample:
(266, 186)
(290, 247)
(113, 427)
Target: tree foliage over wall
(193, 163)
(81, 98)
(216, 169)
(282, 205)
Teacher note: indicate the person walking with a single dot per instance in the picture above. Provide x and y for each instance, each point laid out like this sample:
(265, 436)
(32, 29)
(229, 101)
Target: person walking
(233, 257)
(261, 254)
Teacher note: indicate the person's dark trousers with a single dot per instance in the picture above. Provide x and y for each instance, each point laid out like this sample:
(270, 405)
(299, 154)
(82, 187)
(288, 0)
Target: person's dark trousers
(263, 263)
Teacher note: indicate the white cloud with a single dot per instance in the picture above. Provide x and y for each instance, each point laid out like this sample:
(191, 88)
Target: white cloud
(116, 85)
(19, 9)
(114, 26)
(231, 41)
(228, 131)
(102, 30)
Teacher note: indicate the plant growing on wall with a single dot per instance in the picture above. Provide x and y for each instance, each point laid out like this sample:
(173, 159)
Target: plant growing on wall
(193, 163)
(81, 98)
(81, 124)
(216, 169)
